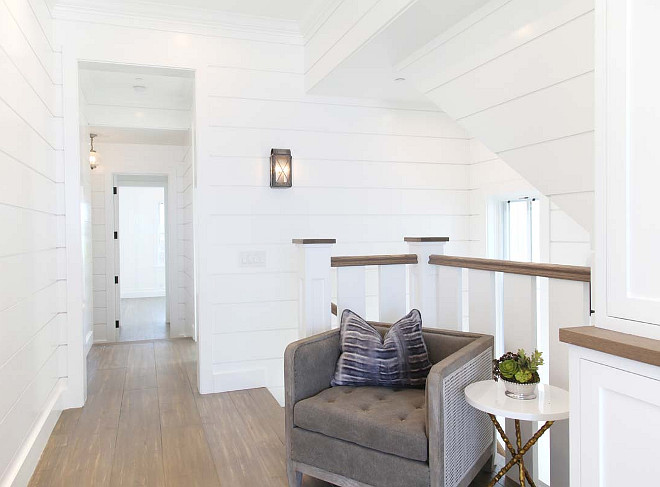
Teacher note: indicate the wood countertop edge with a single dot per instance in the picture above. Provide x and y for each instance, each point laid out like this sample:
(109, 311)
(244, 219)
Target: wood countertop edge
(632, 347)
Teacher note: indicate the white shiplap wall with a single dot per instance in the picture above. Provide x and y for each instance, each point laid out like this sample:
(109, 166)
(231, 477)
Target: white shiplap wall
(87, 240)
(186, 248)
(99, 252)
(518, 75)
(127, 159)
(32, 275)
(364, 173)
(492, 180)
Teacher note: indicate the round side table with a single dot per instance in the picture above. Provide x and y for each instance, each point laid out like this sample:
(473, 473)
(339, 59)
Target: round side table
(550, 405)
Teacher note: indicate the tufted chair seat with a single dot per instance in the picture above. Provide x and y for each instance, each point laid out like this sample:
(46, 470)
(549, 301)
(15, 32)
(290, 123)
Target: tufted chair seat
(387, 420)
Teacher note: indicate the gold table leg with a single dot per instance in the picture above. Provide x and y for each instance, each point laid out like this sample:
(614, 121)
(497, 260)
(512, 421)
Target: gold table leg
(517, 455)
(521, 464)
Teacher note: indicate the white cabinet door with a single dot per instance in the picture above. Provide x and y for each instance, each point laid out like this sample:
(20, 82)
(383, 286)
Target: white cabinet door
(619, 427)
(628, 164)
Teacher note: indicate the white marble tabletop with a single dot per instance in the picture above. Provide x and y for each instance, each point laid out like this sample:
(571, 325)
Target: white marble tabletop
(551, 403)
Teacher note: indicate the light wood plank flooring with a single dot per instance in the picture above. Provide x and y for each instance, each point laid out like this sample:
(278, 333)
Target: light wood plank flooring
(145, 424)
(143, 319)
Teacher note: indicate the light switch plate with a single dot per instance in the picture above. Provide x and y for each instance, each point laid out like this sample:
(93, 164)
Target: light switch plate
(253, 259)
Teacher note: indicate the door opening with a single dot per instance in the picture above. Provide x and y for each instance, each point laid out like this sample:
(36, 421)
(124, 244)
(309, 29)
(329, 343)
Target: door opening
(141, 226)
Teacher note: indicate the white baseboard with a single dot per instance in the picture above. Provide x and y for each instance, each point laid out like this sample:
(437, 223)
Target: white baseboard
(248, 378)
(147, 293)
(235, 380)
(22, 467)
(278, 394)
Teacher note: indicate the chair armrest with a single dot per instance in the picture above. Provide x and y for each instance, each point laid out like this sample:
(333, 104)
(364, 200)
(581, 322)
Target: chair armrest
(460, 437)
(309, 365)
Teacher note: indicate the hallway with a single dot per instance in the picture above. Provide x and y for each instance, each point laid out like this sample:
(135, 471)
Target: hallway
(145, 424)
(143, 319)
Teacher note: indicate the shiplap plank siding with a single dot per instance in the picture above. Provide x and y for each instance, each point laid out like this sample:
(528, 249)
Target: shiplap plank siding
(365, 175)
(32, 248)
(186, 269)
(541, 125)
(352, 155)
(492, 180)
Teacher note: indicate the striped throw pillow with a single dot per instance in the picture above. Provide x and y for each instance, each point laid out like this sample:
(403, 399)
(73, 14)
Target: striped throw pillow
(400, 359)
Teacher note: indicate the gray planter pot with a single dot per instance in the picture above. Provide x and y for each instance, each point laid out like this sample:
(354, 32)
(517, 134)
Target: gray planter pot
(520, 391)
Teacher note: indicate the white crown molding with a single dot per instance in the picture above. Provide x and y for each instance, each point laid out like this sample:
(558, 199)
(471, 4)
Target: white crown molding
(146, 14)
(318, 16)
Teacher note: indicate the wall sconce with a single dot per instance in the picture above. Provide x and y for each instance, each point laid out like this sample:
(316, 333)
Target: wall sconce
(281, 168)
(93, 157)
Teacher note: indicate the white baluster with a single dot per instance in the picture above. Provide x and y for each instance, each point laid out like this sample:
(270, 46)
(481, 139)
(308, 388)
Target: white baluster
(450, 297)
(519, 330)
(314, 280)
(482, 303)
(391, 292)
(351, 290)
(568, 306)
(424, 277)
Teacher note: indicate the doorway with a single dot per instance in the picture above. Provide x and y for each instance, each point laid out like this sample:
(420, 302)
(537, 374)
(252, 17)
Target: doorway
(141, 245)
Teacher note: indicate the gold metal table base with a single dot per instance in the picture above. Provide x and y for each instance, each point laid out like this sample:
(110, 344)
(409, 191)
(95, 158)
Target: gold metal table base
(517, 454)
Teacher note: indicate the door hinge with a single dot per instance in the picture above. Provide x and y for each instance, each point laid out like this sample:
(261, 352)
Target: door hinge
(116, 323)
(116, 279)
(116, 235)
(114, 190)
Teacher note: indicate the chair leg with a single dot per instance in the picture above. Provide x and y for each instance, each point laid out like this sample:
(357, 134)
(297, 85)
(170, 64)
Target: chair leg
(489, 466)
(295, 478)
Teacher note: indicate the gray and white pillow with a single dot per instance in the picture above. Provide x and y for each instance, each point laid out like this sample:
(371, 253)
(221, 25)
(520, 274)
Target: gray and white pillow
(400, 359)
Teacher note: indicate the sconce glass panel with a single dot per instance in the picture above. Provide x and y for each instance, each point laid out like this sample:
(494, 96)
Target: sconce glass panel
(281, 168)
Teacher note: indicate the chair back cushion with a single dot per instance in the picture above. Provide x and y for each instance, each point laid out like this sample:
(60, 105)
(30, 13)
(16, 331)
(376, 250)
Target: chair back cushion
(399, 359)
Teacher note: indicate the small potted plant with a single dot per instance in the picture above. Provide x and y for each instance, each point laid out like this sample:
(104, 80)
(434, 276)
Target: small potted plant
(519, 373)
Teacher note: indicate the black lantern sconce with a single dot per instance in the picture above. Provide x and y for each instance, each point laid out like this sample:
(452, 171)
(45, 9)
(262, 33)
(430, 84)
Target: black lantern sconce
(281, 168)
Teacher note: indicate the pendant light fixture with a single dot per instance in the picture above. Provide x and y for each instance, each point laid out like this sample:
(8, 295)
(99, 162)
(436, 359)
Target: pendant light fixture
(93, 156)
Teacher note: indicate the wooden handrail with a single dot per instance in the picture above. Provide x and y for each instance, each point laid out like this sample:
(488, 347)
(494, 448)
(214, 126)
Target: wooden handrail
(333, 310)
(555, 271)
(308, 241)
(633, 347)
(358, 260)
(425, 239)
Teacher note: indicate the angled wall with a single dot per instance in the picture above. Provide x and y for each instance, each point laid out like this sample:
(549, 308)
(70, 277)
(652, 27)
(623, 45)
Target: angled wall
(518, 76)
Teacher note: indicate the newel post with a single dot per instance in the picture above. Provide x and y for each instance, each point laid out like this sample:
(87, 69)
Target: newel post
(314, 286)
(424, 277)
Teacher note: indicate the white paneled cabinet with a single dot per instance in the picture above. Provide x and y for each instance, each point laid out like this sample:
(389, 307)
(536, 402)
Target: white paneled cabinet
(627, 167)
(615, 420)
(615, 402)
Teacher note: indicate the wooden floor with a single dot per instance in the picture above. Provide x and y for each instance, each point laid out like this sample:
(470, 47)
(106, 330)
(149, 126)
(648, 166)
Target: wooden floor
(145, 424)
(143, 319)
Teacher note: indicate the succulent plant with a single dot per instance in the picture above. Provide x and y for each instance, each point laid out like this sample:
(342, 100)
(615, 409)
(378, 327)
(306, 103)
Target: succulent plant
(509, 368)
(518, 367)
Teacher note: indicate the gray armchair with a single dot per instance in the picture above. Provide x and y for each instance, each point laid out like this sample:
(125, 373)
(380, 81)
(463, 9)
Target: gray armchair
(381, 437)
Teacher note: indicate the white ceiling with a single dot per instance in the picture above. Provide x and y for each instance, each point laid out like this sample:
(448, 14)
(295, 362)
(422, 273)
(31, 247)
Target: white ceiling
(112, 84)
(299, 11)
(370, 71)
(278, 9)
(118, 135)
(119, 113)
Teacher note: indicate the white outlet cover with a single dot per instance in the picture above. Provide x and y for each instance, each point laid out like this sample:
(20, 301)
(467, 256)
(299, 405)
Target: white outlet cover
(252, 259)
